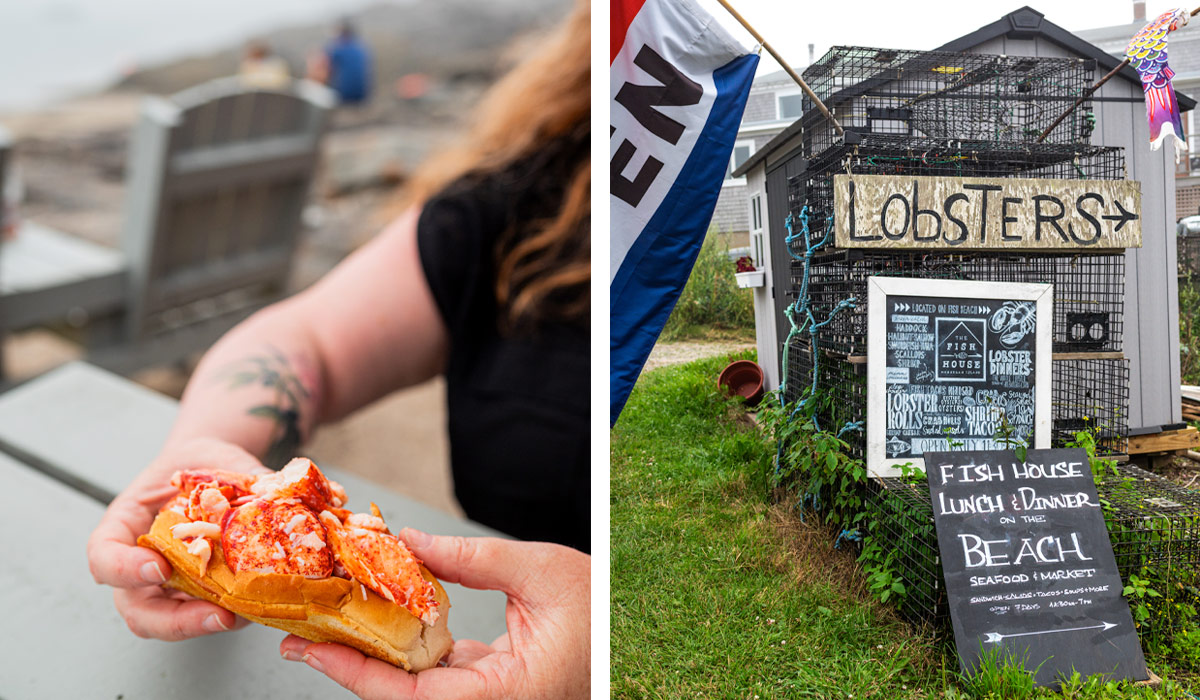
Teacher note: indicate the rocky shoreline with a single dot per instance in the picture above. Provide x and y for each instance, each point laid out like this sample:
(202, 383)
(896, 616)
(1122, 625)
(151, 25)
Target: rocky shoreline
(71, 155)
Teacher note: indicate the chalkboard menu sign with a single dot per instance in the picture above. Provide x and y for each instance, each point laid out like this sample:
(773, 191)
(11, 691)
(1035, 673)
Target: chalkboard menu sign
(954, 363)
(1029, 568)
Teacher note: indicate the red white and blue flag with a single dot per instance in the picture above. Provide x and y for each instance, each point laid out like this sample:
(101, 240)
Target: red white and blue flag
(678, 86)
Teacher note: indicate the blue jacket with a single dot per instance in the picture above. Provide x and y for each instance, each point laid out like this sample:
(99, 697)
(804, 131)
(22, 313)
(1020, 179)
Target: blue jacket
(349, 69)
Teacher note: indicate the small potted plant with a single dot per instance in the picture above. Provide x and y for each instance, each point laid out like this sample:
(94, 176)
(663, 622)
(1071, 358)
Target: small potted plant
(747, 275)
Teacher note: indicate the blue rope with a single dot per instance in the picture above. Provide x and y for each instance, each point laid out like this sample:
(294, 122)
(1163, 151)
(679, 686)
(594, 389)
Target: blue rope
(808, 322)
(849, 536)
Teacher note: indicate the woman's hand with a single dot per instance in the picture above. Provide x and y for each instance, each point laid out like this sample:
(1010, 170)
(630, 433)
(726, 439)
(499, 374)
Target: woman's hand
(137, 572)
(546, 653)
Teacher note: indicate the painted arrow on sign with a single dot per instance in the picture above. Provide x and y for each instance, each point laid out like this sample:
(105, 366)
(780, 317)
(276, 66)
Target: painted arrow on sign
(993, 637)
(1121, 218)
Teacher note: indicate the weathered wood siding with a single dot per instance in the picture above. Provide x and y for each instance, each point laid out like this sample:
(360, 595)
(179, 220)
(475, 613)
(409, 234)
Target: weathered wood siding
(922, 212)
(1151, 323)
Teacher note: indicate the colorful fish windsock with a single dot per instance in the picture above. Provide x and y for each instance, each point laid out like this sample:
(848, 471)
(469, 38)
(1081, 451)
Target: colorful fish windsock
(1147, 53)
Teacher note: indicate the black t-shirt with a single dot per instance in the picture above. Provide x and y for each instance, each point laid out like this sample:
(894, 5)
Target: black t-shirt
(518, 401)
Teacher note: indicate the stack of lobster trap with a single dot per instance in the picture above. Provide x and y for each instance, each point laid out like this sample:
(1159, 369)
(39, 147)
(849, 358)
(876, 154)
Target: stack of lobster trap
(931, 113)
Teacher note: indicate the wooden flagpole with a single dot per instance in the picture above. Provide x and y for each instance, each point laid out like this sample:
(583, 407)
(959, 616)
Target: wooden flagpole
(800, 81)
(1086, 93)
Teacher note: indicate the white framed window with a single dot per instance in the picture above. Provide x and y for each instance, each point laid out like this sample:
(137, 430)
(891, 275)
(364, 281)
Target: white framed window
(742, 150)
(756, 230)
(789, 103)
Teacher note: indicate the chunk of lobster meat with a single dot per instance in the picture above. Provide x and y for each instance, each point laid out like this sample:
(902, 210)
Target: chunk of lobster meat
(178, 504)
(366, 522)
(275, 537)
(233, 485)
(302, 480)
(343, 516)
(207, 502)
(197, 536)
(202, 548)
(341, 513)
(384, 564)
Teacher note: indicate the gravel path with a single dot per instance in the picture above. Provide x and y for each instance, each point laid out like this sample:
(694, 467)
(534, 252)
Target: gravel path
(665, 354)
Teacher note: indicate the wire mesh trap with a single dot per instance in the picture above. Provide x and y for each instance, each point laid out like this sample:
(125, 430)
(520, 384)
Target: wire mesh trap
(934, 113)
(944, 94)
(1089, 290)
(1152, 522)
(891, 154)
(1091, 396)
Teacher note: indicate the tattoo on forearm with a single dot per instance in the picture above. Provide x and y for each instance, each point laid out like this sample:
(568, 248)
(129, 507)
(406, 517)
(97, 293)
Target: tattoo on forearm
(273, 371)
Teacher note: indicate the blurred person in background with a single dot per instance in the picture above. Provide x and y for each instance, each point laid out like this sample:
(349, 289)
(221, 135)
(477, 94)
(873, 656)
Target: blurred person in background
(348, 66)
(485, 279)
(262, 69)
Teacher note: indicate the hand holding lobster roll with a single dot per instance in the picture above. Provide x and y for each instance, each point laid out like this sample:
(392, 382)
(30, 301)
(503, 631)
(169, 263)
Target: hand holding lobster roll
(545, 652)
(279, 549)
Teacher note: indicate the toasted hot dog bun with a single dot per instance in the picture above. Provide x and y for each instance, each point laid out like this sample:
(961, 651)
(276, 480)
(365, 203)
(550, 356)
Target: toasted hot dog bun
(321, 610)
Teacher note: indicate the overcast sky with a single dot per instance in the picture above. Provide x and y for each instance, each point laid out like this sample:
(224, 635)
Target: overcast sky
(791, 25)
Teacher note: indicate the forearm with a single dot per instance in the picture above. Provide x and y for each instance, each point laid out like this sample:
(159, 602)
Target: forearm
(367, 328)
(260, 387)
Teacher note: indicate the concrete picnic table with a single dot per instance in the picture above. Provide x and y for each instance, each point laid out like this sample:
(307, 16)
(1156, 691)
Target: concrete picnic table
(69, 441)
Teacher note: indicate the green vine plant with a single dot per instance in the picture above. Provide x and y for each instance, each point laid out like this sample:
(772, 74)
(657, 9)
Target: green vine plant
(1006, 434)
(814, 471)
(1102, 468)
(951, 443)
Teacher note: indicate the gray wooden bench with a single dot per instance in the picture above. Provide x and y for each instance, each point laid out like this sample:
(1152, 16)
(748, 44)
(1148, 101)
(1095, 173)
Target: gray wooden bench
(42, 269)
(217, 177)
(71, 439)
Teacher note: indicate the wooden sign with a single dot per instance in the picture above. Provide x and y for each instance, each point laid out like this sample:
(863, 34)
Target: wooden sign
(1028, 565)
(954, 360)
(966, 213)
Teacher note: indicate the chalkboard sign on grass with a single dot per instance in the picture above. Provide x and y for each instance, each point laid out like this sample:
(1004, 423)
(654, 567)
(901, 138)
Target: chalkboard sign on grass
(1029, 567)
(955, 360)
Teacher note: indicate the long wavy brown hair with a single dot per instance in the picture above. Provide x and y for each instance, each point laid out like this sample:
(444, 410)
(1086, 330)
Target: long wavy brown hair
(544, 271)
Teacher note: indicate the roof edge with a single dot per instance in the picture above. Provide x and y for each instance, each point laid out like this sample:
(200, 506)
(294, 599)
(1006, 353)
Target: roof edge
(1023, 23)
(1026, 23)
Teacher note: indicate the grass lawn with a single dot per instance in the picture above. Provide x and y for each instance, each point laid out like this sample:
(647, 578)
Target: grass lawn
(716, 593)
(706, 333)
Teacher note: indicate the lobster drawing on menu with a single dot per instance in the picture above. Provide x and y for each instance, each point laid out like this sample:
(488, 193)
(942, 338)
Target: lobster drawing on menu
(1013, 321)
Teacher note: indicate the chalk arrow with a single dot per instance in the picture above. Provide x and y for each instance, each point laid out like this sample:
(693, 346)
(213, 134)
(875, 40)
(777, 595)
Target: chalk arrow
(1120, 218)
(993, 637)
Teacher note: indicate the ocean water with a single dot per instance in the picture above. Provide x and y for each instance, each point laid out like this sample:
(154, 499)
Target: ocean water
(50, 49)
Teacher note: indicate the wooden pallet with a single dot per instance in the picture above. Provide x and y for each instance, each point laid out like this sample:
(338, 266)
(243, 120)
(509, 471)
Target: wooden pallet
(1166, 441)
(1190, 402)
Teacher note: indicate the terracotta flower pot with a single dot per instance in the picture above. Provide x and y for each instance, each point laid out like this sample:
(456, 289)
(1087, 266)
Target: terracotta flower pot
(742, 378)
